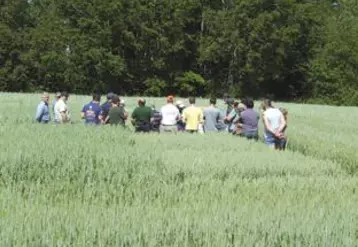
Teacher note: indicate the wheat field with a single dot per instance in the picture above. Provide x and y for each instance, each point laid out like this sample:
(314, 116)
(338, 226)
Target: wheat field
(104, 186)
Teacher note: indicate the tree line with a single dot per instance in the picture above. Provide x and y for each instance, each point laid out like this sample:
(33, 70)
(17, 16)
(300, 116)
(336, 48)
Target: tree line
(304, 50)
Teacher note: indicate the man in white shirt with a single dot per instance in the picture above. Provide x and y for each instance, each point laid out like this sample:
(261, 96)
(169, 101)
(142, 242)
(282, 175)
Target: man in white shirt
(62, 114)
(170, 117)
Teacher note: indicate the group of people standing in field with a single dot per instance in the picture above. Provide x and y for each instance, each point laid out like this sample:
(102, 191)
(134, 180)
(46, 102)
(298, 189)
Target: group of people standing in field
(174, 117)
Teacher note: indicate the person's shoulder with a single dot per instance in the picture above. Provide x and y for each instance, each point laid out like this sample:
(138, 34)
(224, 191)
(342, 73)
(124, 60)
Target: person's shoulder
(174, 108)
(97, 105)
(104, 105)
(59, 103)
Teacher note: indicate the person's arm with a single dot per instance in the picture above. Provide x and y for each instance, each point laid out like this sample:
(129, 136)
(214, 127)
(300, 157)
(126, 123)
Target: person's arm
(134, 116)
(231, 116)
(64, 117)
(39, 112)
(123, 114)
(63, 112)
(201, 117)
(184, 118)
(218, 117)
(100, 116)
(178, 117)
(83, 112)
(268, 125)
(106, 120)
(282, 123)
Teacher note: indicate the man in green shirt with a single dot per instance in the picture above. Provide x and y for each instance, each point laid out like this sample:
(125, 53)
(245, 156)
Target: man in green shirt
(116, 114)
(141, 117)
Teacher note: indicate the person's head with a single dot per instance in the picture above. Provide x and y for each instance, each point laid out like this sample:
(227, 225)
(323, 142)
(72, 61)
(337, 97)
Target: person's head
(241, 107)
(213, 101)
(96, 97)
(141, 102)
(65, 96)
(266, 104)
(115, 100)
(58, 95)
(236, 104)
(109, 96)
(45, 97)
(249, 103)
(230, 101)
(180, 104)
(192, 100)
(170, 99)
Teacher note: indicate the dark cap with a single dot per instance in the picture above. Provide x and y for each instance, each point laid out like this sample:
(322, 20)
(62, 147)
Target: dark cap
(110, 95)
(115, 99)
(230, 101)
(65, 94)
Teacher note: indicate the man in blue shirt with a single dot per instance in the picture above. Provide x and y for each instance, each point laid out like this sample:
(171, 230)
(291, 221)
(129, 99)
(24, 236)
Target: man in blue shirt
(90, 112)
(105, 108)
(43, 110)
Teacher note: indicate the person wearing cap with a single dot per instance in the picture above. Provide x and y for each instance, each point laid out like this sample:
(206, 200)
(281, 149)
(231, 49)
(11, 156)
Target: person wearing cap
(170, 116)
(62, 114)
(234, 116)
(43, 110)
(211, 117)
(57, 97)
(117, 115)
(91, 111)
(105, 108)
(193, 117)
(181, 125)
(141, 117)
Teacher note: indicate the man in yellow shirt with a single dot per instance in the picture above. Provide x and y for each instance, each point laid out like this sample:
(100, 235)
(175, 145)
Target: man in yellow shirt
(193, 117)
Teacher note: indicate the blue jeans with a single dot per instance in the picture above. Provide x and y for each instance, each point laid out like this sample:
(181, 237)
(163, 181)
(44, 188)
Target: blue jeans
(272, 140)
(251, 135)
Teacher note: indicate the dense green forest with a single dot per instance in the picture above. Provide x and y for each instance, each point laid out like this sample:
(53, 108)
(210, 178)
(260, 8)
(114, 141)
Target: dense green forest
(286, 49)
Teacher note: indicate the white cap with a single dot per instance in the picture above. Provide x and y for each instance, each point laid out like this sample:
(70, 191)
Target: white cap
(180, 104)
(122, 101)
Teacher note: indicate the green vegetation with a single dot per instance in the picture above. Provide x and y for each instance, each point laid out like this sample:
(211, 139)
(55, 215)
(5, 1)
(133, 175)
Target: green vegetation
(288, 49)
(81, 186)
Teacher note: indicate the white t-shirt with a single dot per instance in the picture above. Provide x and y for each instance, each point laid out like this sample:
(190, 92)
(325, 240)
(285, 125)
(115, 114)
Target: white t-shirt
(60, 106)
(170, 114)
(273, 116)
